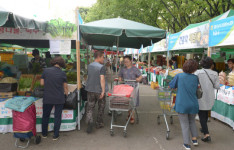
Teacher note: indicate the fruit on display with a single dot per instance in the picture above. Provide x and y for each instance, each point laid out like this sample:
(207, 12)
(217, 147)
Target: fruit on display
(173, 73)
(231, 79)
(222, 78)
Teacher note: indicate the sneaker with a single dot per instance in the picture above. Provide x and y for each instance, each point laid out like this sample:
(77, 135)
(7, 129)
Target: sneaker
(90, 128)
(187, 147)
(195, 142)
(55, 138)
(44, 136)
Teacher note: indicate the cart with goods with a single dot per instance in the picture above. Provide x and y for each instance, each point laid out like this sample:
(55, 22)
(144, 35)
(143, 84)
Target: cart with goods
(123, 98)
(166, 99)
(24, 120)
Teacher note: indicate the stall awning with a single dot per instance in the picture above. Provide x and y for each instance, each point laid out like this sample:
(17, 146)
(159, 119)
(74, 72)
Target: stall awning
(8, 19)
(131, 34)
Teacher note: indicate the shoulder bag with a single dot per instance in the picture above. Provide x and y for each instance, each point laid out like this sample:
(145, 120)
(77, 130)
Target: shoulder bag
(209, 78)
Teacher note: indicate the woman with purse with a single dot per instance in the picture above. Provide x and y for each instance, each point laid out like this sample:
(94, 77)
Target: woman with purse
(55, 86)
(186, 104)
(209, 80)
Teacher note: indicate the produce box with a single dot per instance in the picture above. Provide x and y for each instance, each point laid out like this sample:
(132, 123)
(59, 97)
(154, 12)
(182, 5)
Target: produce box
(7, 57)
(8, 87)
(25, 83)
(7, 94)
(8, 84)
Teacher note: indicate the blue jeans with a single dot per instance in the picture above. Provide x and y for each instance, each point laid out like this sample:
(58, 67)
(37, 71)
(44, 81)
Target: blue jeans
(57, 118)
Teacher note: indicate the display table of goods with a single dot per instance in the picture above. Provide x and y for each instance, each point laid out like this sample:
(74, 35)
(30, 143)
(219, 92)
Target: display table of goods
(223, 108)
(161, 77)
(69, 117)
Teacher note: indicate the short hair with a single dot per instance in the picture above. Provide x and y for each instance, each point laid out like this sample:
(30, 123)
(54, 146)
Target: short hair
(173, 59)
(170, 62)
(98, 54)
(190, 66)
(207, 62)
(128, 57)
(58, 61)
(48, 55)
(35, 52)
(231, 60)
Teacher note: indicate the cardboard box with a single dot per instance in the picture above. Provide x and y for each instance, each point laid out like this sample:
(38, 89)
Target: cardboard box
(7, 94)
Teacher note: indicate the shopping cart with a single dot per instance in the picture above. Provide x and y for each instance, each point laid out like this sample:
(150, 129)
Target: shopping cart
(24, 126)
(166, 98)
(123, 98)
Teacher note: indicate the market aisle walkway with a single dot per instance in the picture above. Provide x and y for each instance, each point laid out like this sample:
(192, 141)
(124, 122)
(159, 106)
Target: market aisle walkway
(147, 135)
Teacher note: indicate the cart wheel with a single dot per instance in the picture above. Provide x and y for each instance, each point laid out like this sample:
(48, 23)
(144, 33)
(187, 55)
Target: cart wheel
(171, 120)
(37, 140)
(167, 137)
(125, 133)
(112, 132)
(22, 139)
(158, 119)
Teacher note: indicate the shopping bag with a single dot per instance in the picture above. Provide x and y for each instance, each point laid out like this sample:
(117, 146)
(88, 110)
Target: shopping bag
(123, 90)
(38, 92)
(71, 100)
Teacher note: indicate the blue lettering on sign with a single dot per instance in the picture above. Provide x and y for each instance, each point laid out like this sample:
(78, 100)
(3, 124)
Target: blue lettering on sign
(183, 40)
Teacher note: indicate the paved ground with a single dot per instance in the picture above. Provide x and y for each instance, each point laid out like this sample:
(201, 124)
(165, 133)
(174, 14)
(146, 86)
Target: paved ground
(147, 135)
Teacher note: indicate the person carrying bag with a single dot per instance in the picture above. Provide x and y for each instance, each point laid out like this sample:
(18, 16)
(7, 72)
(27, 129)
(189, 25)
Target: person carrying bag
(209, 81)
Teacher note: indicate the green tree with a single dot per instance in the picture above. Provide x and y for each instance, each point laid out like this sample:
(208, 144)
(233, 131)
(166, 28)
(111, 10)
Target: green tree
(172, 15)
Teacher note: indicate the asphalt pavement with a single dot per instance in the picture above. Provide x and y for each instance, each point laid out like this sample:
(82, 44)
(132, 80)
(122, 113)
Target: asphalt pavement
(147, 135)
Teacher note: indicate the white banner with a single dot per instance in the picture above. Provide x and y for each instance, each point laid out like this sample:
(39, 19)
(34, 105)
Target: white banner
(226, 95)
(27, 34)
(196, 37)
(160, 46)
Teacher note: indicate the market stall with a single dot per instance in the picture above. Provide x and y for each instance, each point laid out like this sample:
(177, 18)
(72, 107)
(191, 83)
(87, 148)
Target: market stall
(69, 117)
(221, 35)
(30, 33)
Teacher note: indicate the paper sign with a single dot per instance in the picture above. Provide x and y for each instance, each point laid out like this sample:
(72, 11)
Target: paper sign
(60, 47)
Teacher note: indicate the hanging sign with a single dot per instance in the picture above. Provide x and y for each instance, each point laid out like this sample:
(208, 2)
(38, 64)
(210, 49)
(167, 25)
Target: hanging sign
(221, 32)
(62, 47)
(196, 37)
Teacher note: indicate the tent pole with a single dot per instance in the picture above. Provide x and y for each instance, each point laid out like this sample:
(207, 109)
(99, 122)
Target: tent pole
(78, 67)
(117, 56)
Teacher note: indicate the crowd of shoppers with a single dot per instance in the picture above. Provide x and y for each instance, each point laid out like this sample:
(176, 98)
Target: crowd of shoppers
(187, 104)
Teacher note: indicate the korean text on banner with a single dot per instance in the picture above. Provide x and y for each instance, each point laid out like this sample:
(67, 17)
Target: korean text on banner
(221, 32)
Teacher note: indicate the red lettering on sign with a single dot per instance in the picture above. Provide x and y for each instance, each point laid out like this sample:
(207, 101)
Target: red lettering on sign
(35, 31)
(16, 31)
(8, 30)
(29, 30)
(1, 30)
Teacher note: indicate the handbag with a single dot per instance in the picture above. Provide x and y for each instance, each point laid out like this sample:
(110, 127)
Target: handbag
(71, 101)
(199, 92)
(38, 92)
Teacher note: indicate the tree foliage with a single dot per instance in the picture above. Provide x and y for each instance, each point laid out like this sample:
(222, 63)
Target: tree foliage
(172, 15)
